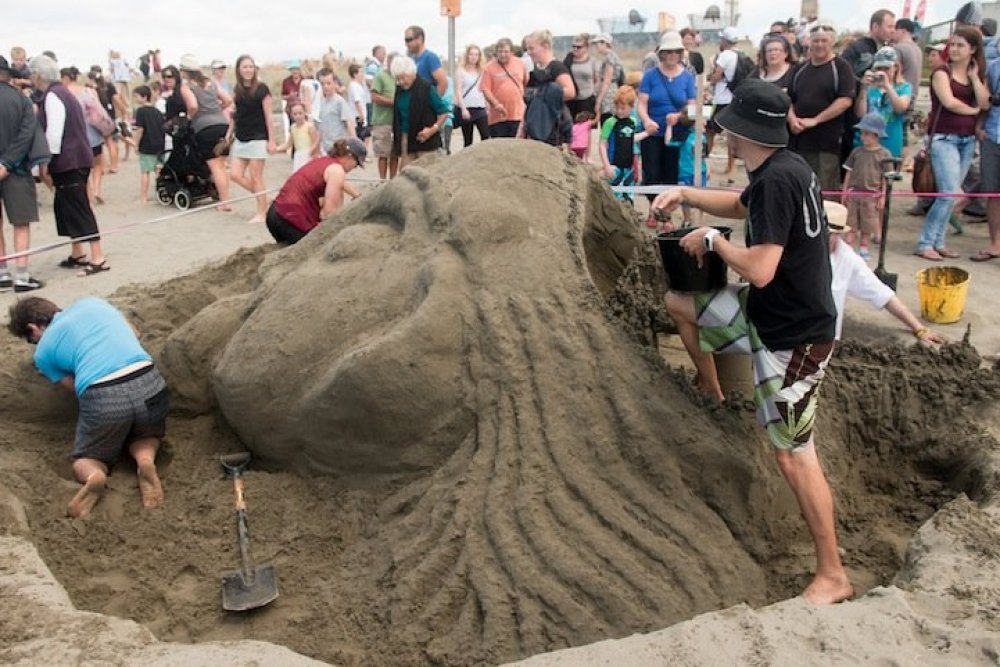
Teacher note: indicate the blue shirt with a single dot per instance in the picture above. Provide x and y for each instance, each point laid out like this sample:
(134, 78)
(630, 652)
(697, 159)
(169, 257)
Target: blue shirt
(89, 339)
(666, 96)
(992, 124)
(427, 63)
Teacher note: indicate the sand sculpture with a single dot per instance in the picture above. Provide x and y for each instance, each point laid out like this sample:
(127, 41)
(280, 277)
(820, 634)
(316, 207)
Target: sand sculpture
(472, 459)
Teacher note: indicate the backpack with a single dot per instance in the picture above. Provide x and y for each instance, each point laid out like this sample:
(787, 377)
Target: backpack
(745, 66)
(546, 118)
(96, 115)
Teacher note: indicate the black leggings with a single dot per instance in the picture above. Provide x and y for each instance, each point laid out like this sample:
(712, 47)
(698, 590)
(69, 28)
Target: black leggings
(660, 163)
(477, 119)
(281, 229)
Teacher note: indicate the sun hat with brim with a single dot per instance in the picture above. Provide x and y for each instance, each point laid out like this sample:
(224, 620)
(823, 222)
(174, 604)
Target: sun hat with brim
(884, 57)
(294, 64)
(671, 41)
(758, 113)
(602, 37)
(836, 217)
(218, 64)
(356, 147)
(189, 63)
(872, 122)
(937, 47)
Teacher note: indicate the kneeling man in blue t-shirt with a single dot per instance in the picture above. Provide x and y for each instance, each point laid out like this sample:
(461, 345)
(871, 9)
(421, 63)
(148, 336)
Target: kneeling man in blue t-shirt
(91, 349)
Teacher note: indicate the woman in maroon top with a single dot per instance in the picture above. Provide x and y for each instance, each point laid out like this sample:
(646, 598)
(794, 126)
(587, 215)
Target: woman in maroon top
(297, 209)
(958, 95)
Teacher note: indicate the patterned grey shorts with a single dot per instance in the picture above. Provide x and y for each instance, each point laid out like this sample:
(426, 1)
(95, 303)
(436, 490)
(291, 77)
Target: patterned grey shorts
(116, 413)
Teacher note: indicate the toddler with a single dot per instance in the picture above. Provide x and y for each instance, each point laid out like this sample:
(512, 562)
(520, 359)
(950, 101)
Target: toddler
(865, 168)
(580, 141)
(303, 138)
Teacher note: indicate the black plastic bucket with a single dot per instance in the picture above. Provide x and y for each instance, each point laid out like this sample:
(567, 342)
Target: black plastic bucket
(682, 271)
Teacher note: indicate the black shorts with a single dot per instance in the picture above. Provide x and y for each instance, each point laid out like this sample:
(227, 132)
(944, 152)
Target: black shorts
(20, 199)
(207, 138)
(711, 125)
(97, 150)
(74, 216)
(504, 129)
(282, 230)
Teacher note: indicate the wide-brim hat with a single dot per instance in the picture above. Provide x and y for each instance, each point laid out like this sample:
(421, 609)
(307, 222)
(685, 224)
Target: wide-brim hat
(836, 217)
(872, 122)
(671, 41)
(758, 113)
(189, 63)
(356, 147)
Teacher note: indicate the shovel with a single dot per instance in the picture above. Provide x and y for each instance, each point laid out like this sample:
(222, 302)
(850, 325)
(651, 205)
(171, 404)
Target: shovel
(890, 279)
(249, 587)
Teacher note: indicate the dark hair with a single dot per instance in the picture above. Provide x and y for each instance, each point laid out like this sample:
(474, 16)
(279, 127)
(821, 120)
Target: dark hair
(353, 69)
(584, 117)
(879, 16)
(71, 72)
(907, 25)
(689, 31)
(774, 39)
(417, 31)
(144, 92)
(245, 90)
(326, 71)
(33, 310)
(339, 149)
(989, 27)
(975, 39)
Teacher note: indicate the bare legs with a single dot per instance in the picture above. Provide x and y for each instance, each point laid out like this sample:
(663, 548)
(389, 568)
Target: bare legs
(93, 475)
(95, 178)
(389, 166)
(253, 183)
(111, 143)
(681, 309)
(217, 165)
(22, 240)
(804, 475)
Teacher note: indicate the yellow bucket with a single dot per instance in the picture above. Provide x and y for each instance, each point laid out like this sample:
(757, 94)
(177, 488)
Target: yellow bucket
(942, 291)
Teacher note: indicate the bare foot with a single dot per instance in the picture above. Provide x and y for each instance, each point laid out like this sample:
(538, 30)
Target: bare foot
(828, 590)
(256, 220)
(149, 485)
(87, 496)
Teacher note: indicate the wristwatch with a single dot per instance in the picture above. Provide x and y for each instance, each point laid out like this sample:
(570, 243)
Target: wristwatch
(709, 239)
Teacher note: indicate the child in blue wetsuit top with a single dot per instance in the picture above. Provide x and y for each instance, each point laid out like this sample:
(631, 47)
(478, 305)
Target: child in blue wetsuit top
(620, 142)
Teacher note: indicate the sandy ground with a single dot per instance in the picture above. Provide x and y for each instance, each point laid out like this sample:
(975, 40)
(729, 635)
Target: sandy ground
(376, 568)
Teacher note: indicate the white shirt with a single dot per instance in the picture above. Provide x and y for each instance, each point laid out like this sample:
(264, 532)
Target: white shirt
(852, 276)
(470, 81)
(55, 123)
(727, 61)
(358, 92)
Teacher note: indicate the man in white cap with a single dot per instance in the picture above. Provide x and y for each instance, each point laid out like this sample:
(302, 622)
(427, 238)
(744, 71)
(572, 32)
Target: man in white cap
(784, 315)
(720, 77)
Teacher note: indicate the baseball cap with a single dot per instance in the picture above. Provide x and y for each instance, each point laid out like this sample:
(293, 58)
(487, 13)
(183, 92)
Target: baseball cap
(884, 57)
(4, 65)
(602, 37)
(356, 147)
(730, 34)
(218, 64)
(971, 13)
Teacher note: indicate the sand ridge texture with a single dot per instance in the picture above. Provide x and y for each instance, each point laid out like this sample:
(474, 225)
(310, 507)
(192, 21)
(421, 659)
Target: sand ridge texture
(463, 458)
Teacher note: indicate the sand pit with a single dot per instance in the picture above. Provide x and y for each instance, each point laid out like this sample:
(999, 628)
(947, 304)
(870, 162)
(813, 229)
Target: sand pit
(465, 454)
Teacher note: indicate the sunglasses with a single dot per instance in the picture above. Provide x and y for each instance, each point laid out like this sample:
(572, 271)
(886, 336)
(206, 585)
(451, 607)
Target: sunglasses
(579, 46)
(409, 39)
(824, 28)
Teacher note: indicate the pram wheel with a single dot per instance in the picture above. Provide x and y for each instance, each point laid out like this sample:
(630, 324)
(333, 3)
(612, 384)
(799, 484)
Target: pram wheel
(164, 196)
(182, 199)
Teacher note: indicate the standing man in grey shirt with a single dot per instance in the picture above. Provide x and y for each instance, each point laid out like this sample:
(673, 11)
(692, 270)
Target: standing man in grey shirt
(336, 118)
(911, 58)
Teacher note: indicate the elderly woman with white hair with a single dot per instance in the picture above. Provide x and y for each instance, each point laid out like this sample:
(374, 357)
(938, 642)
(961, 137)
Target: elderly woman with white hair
(418, 113)
(62, 120)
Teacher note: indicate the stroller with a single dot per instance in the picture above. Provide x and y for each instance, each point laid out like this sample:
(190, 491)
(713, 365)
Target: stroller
(184, 178)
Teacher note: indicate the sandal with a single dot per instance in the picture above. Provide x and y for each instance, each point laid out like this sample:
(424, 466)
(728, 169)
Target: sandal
(92, 268)
(72, 262)
(929, 254)
(947, 254)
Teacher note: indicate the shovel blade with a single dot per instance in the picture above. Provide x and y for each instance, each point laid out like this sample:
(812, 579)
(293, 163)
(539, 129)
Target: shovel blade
(241, 593)
(888, 279)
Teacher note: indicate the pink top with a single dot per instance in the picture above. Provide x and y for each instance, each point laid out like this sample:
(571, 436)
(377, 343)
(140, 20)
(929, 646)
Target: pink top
(581, 135)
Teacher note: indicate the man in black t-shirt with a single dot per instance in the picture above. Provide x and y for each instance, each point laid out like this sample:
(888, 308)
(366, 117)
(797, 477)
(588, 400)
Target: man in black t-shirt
(784, 315)
(822, 91)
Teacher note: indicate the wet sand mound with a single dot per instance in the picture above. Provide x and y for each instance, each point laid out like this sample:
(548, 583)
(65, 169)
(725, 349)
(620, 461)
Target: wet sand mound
(470, 460)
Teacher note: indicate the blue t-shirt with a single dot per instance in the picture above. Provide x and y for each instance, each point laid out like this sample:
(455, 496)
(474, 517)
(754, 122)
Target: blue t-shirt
(427, 63)
(880, 102)
(666, 96)
(89, 339)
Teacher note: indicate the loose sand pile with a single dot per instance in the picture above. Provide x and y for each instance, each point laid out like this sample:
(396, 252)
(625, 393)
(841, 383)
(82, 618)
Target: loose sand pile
(470, 457)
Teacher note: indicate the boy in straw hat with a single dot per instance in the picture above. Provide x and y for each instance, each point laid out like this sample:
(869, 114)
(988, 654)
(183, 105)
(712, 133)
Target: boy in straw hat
(784, 315)
(852, 277)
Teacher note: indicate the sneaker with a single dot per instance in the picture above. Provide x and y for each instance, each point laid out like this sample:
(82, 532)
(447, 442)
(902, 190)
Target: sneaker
(863, 252)
(6, 282)
(27, 284)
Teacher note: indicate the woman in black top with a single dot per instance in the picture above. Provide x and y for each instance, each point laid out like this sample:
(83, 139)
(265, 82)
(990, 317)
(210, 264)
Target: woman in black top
(172, 84)
(775, 62)
(253, 130)
(548, 69)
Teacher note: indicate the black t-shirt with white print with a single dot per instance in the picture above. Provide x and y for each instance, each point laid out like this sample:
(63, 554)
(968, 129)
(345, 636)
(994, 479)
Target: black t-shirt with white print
(784, 207)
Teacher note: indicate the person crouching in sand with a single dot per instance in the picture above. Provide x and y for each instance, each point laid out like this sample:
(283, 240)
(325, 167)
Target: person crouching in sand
(89, 347)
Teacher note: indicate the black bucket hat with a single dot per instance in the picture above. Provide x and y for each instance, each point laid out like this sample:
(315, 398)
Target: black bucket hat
(758, 113)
